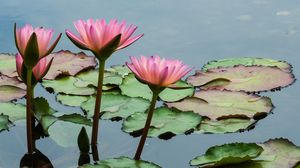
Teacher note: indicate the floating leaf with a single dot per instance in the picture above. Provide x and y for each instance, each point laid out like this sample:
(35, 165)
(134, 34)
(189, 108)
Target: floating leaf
(8, 93)
(8, 65)
(71, 100)
(65, 133)
(242, 78)
(228, 154)
(225, 126)
(218, 105)
(75, 118)
(91, 78)
(164, 122)
(247, 61)
(68, 63)
(13, 111)
(121, 162)
(66, 85)
(4, 122)
(114, 106)
(133, 88)
(121, 70)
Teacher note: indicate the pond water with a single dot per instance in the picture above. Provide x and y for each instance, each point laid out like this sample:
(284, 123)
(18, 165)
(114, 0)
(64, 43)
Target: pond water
(195, 31)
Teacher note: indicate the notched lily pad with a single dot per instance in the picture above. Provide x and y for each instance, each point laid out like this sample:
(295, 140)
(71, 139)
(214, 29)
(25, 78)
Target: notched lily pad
(230, 125)
(217, 105)
(243, 78)
(116, 106)
(133, 88)
(66, 85)
(121, 70)
(121, 162)
(8, 65)
(165, 123)
(68, 63)
(228, 154)
(13, 111)
(71, 100)
(247, 61)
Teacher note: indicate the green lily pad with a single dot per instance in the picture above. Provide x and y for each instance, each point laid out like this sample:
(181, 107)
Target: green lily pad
(224, 126)
(8, 65)
(228, 154)
(75, 118)
(121, 162)
(243, 78)
(164, 122)
(71, 100)
(247, 61)
(121, 70)
(278, 153)
(13, 111)
(68, 63)
(66, 85)
(8, 93)
(65, 133)
(218, 105)
(91, 78)
(113, 106)
(133, 88)
(4, 122)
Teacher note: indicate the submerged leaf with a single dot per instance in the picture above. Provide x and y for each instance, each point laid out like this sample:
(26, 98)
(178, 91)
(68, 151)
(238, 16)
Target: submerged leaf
(113, 106)
(228, 154)
(121, 162)
(218, 105)
(243, 78)
(164, 121)
(68, 63)
(247, 61)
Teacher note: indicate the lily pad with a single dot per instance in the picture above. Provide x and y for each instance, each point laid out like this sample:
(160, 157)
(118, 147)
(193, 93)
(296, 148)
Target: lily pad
(116, 106)
(247, 61)
(8, 65)
(133, 88)
(243, 78)
(4, 122)
(13, 111)
(91, 78)
(228, 154)
(121, 70)
(121, 162)
(225, 126)
(8, 93)
(71, 100)
(66, 85)
(164, 122)
(65, 133)
(217, 105)
(68, 63)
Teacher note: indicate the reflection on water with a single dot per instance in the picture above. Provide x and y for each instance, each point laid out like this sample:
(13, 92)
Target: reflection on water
(195, 31)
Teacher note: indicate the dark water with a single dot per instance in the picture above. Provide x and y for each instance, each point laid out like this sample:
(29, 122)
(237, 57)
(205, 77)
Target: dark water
(195, 31)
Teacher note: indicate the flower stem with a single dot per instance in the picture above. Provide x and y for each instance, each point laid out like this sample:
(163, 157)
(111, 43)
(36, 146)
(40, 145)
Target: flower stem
(97, 104)
(29, 114)
(147, 126)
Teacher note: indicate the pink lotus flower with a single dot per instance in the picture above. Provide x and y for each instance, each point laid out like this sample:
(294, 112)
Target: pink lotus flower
(23, 35)
(94, 35)
(39, 70)
(157, 71)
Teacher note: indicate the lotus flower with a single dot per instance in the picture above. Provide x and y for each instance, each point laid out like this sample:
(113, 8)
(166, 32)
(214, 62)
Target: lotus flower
(158, 71)
(39, 70)
(43, 36)
(97, 35)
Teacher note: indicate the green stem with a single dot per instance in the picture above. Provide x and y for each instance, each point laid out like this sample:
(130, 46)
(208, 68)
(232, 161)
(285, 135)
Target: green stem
(147, 126)
(97, 104)
(29, 113)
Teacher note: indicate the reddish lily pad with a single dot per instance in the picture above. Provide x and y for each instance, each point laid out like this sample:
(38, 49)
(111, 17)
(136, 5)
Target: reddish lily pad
(68, 63)
(247, 61)
(242, 78)
(217, 105)
(8, 65)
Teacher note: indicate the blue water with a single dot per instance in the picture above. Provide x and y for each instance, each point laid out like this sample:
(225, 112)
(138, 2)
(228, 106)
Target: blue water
(194, 31)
